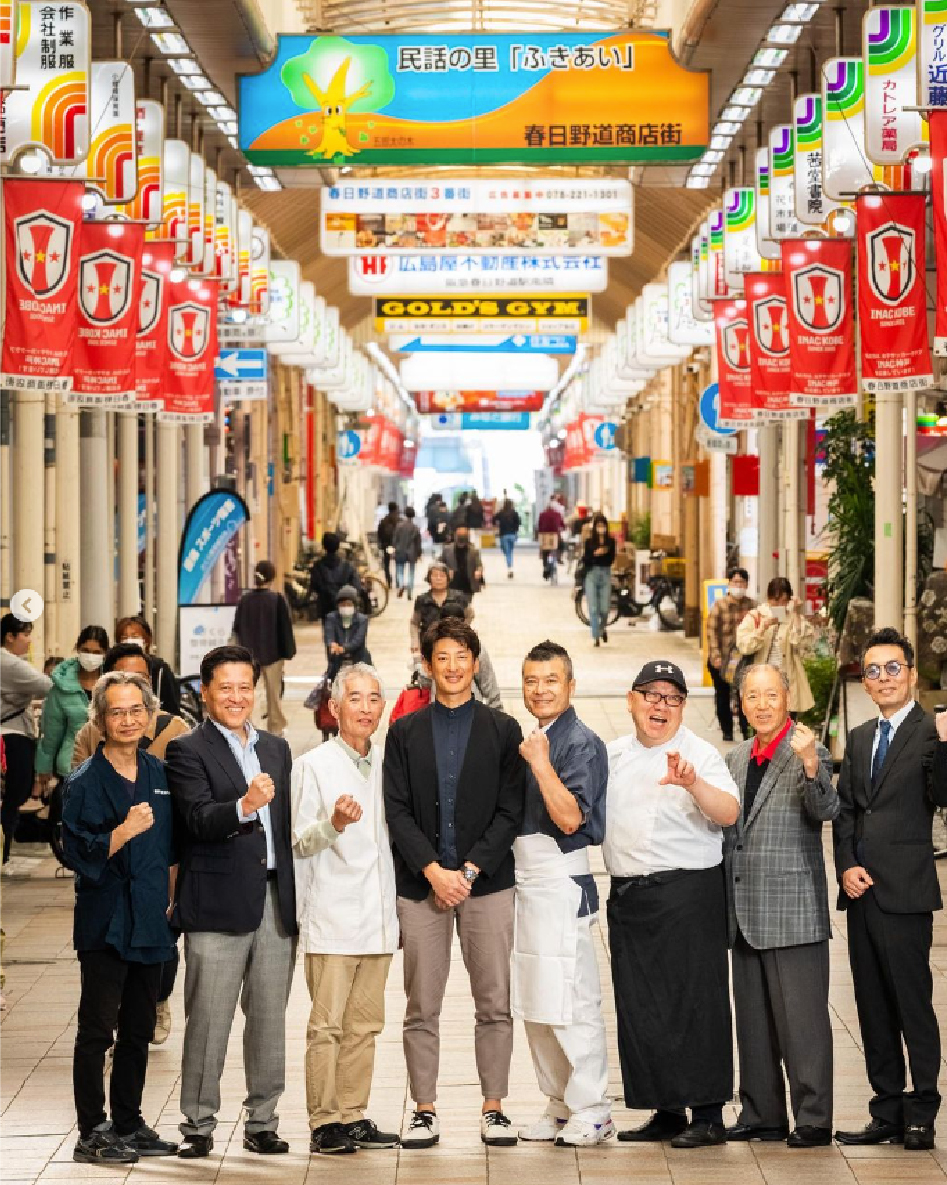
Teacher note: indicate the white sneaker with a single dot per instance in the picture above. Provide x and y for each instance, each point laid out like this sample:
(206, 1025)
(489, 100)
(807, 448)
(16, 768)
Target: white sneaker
(579, 1133)
(496, 1130)
(546, 1127)
(162, 1023)
(422, 1132)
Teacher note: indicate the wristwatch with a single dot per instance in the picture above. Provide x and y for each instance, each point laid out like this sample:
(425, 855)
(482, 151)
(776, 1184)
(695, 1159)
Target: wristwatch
(470, 875)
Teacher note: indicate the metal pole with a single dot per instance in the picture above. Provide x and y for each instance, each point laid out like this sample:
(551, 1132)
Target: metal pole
(6, 573)
(128, 596)
(166, 551)
(889, 525)
(791, 466)
(768, 509)
(69, 514)
(95, 483)
(149, 597)
(28, 517)
(54, 640)
(910, 519)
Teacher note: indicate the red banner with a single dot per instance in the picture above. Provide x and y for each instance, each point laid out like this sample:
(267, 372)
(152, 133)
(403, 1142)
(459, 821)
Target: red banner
(433, 401)
(818, 275)
(151, 342)
(109, 288)
(42, 224)
(188, 394)
(767, 318)
(892, 295)
(937, 127)
(574, 455)
(733, 363)
(409, 455)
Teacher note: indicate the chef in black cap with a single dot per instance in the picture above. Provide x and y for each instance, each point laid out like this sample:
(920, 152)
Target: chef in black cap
(670, 795)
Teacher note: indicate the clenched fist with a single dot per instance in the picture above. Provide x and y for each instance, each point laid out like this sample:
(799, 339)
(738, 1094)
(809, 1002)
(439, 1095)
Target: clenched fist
(346, 811)
(802, 743)
(139, 818)
(535, 747)
(259, 793)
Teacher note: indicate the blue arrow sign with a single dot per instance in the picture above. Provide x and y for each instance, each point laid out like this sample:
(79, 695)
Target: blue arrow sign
(605, 435)
(710, 411)
(247, 365)
(519, 343)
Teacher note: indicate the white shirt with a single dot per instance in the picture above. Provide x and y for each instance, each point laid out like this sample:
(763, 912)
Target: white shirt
(895, 721)
(249, 763)
(652, 828)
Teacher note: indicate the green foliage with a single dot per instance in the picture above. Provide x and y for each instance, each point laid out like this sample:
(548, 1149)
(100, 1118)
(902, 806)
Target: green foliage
(820, 671)
(849, 470)
(368, 64)
(639, 530)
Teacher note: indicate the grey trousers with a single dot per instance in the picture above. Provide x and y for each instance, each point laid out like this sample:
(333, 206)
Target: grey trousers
(485, 928)
(781, 1003)
(257, 969)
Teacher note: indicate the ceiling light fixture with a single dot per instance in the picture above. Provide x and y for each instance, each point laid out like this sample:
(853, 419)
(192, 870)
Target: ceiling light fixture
(720, 143)
(183, 66)
(154, 18)
(725, 127)
(196, 83)
(733, 114)
(784, 34)
(746, 96)
(170, 43)
(799, 12)
(769, 57)
(757, 76)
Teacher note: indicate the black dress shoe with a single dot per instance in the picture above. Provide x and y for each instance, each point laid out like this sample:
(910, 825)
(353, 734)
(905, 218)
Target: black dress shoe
(661, 1126)
(700, 1135)
(752, 1131)
(808, 1136)
(879, 1131)
(266, 1143)
(918, 1137)
(195, 1147)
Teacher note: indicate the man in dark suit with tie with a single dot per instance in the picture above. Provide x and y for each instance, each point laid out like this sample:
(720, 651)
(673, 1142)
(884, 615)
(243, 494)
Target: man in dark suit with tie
(235, 902)
(893, 776)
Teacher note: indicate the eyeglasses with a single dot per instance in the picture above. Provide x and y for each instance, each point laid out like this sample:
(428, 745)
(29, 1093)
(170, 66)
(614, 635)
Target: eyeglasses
(137, 713)
(655, 697)
(892, 669)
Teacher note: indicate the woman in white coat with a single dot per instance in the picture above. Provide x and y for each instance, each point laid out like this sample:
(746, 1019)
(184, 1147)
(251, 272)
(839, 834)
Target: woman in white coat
(779, 634)
(345, 902)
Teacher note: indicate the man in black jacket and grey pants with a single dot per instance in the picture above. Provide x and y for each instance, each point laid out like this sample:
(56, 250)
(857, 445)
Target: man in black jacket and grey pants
(894, 774)
(454, 800)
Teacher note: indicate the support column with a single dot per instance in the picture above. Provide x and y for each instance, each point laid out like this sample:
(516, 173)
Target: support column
(794, 535)
(194, 481)
(169, 530)
(768, 504)
(50, 590)
(910, 518)
(889, 525)
(95, 479)
(28, 572)
(128, 597)
(149, 597)
(69, 529)
(6, 501)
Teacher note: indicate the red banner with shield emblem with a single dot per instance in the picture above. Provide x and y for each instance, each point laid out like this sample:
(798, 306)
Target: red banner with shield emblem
(191, 335)
(767, 317)
(892, 295)
(151, 341)
(109, 284)
(733, 363)
(818, 277)
(42, 224)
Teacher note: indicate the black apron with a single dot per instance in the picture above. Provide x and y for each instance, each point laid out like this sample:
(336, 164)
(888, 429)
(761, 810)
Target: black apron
(668, 940)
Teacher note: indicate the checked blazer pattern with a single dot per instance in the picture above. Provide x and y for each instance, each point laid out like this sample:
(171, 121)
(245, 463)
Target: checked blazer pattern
(776, 887)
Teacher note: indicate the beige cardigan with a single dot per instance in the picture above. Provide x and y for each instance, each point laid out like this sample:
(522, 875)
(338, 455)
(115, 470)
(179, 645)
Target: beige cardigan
(755, 640)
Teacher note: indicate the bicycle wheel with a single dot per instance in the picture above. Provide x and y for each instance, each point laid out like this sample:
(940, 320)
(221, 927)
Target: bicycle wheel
(582, 609)
(374, 595)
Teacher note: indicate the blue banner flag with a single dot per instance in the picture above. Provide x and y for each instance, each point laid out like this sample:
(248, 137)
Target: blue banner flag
(213, 521)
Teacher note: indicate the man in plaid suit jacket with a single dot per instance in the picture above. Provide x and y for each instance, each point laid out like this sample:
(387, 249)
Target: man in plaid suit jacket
(779, 920)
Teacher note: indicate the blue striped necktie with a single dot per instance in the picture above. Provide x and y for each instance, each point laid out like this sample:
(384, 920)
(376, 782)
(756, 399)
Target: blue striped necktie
(881, 752)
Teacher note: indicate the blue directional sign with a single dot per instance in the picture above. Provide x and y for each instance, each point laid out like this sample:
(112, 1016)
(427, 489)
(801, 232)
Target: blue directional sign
(710, 411)
(518, 343)
(241, 364)
(490, 421)
(348, 445)
(605, 435)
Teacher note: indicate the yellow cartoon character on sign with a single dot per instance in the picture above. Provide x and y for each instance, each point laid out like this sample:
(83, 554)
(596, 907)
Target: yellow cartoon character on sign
(335, 105)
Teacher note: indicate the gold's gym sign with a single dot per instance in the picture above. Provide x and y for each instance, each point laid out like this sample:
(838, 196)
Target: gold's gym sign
(566, 313)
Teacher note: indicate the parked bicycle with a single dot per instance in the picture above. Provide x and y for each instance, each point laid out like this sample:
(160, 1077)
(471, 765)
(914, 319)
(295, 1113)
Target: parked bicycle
(624, 603)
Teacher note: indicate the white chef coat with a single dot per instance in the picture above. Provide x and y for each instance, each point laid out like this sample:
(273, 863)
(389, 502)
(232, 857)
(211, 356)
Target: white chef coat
(652, 828)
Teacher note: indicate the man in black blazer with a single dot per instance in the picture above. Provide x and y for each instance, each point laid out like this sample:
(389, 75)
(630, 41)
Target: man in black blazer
(884, 859)
(235, 902)
(454, 799)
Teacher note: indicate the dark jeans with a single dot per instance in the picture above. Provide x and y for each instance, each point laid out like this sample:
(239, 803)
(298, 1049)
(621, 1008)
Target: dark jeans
(722, 693)
(18, 783)
(169, 973)
(121, 996)
(386, 565)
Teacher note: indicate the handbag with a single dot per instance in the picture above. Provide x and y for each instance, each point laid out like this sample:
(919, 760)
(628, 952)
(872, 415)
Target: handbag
(413, 697)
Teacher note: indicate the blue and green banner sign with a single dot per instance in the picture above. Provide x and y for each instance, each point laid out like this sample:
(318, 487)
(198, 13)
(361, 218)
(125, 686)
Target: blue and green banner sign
(213, 521)
(525, 98)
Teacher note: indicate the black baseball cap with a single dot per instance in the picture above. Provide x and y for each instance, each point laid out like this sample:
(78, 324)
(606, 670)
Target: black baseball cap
(659, 670)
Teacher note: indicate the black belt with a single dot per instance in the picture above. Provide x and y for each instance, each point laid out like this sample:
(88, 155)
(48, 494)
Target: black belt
(654, 878)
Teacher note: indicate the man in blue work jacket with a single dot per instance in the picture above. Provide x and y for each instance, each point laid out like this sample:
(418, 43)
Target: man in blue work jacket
(117, 838)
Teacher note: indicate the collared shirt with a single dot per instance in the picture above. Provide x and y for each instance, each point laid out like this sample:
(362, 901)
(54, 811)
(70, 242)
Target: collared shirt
(451, 733)
(722, 621)
(895, 721)
(362, 764)
(760, 755)
(654, 828)
(250, 766)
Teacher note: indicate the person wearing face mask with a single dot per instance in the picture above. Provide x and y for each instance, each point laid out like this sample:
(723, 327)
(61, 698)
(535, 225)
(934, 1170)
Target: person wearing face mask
(66, 707)
(136, 632)
(345, 631)
(428, 606)
(723, 620)
(464, 563)
(669, 797)
(20, 684)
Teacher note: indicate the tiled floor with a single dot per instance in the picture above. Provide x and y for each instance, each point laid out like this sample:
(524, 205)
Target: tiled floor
(37, 1126)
